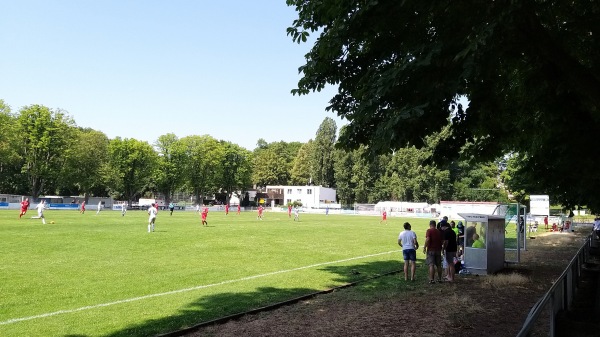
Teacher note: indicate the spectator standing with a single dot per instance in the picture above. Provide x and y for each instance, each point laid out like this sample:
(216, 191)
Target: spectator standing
(408, 241)
(597, 227)
(433, 250)
(449, 248)
(444, 220)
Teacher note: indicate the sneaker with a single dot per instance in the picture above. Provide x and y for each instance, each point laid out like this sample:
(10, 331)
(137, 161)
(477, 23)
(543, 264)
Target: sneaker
(440, 281)
(431, 282)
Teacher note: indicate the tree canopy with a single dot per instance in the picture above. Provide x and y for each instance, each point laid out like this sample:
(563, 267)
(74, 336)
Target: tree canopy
(44, 136)
(529, 69)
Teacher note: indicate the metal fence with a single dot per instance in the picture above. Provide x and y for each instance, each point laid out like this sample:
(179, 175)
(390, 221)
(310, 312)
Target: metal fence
(560, 297)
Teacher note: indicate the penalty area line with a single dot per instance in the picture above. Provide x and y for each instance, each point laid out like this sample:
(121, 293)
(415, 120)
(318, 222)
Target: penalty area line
(140, 298)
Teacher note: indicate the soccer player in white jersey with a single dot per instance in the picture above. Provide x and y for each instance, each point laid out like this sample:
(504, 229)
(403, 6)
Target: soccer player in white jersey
(40, 209)
(123, 208)
(152, 217)
(99, 207)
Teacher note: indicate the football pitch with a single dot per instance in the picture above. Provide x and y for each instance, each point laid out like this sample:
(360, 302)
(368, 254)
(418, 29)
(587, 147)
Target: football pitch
(105, 275)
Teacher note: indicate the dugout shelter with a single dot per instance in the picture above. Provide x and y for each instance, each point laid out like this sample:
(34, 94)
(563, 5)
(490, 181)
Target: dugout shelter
(484, 243)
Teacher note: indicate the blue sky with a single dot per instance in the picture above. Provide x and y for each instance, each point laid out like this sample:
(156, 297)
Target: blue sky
(141, 69)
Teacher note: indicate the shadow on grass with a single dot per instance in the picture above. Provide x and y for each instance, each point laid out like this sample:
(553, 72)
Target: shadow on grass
(213, 307)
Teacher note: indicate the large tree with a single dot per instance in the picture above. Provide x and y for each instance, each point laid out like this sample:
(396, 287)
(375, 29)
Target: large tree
(203, 171)
(237, 169)
(273, 163)
(322, 171)
(529, 69)
(300, 171)
(131, 164)
(43, 136)
(10, 162)
(170, 168)
(85, 160)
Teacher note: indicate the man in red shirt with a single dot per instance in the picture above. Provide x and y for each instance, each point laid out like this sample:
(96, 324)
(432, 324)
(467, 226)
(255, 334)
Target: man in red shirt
(546, 222)
(82, 207)
(239, 209)
(24, 207)
(290, 211)
(433, 250)
(204, 214)
(226, 209)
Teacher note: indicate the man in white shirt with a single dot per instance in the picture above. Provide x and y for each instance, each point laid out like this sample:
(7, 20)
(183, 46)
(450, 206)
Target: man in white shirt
(597, 227)
(99, 207)
(152, 217)
(40, 209)
(408, 241)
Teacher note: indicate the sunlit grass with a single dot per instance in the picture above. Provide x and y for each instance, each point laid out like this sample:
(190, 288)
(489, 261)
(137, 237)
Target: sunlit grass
(500, 281)
(99, 275)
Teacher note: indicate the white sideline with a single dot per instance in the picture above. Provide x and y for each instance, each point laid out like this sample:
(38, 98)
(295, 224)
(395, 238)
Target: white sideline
(89, 307)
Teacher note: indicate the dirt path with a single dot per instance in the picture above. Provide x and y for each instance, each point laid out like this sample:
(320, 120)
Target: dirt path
(469, 306)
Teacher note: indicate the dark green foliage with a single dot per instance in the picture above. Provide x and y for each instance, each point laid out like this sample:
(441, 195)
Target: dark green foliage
(530, 70)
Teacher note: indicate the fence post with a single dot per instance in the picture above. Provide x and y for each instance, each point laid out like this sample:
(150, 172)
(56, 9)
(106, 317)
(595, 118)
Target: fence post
(552, 316)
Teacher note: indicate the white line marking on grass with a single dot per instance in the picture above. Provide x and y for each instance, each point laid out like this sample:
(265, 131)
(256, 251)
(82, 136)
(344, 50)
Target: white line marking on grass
(89, 307)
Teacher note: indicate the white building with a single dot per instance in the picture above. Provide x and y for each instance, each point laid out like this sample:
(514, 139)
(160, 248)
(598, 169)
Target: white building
(309, 196)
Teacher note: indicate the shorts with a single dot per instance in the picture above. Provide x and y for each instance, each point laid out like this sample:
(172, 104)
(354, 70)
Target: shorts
(434, 258)
(409, 254)
(152, 220)
(450, 257)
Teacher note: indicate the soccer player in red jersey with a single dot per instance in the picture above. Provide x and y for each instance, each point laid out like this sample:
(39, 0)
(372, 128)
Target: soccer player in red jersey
(204, 215)
(24, 207)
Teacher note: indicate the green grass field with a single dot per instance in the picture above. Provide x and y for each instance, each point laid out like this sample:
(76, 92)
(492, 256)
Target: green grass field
(105, 275)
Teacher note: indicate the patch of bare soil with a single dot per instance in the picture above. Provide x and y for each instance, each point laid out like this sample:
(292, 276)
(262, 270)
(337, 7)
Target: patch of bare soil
(469, 306)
